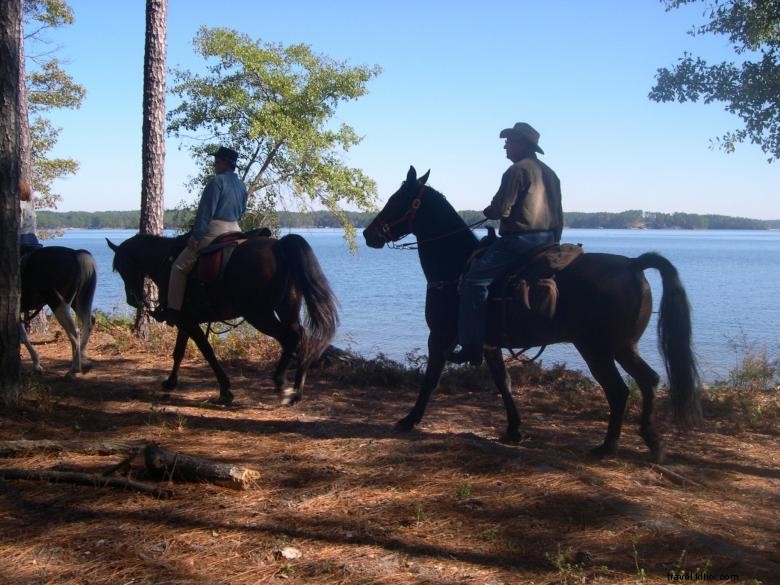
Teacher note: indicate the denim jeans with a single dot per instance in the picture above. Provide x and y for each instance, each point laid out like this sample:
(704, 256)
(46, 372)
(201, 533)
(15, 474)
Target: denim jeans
(498, 258)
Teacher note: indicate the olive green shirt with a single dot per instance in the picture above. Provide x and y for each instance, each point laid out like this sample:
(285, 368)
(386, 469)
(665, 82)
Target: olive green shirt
(528, 200)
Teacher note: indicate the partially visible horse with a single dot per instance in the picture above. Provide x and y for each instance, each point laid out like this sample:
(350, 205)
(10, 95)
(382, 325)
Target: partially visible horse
(266, 281)
(61, 278)
(604, 305)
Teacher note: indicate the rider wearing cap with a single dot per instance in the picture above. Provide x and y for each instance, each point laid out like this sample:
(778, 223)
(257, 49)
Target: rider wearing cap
(221, 206)
(528, 203)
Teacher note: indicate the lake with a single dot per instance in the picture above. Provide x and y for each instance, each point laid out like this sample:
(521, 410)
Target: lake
(732, 279)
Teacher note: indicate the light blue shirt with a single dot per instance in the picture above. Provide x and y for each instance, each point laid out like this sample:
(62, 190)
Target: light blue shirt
(223, 198)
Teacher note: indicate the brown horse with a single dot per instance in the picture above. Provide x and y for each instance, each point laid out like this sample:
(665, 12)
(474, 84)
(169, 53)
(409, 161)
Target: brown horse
(266, 282)
(603, 308)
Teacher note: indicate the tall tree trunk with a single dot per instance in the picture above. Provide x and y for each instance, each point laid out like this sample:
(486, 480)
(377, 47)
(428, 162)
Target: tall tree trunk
(25, 150)
(153, 139)
(10, 42)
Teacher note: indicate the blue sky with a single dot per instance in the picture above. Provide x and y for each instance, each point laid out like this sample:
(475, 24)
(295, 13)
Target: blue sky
(454, 74)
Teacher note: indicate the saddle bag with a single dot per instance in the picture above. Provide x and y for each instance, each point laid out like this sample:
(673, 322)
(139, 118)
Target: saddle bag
(533, 283)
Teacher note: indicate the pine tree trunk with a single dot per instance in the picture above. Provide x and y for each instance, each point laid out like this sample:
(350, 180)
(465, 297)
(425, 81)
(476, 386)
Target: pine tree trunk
(153, 139)
(25, 152)
(10, 42)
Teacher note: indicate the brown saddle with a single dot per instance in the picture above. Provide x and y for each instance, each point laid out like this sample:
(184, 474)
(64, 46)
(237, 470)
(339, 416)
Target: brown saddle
(531, 281)
(214, 258)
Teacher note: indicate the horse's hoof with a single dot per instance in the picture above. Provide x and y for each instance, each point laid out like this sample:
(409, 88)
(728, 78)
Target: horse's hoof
(222, 400)
(86, 366)
(514, 438)
(603, 451)
(404, 425)
(38, 368)
(290, 396)
(72, 375)
(169, 384)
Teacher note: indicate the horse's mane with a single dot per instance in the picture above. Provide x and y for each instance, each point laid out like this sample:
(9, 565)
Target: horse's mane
(448, 218)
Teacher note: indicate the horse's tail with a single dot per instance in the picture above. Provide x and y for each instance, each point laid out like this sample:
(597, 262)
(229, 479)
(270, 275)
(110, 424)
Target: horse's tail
(305, 275)
(674, 341)
(85, 286)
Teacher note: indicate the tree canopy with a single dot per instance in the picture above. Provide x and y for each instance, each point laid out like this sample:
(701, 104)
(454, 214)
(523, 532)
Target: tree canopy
(48, 87)
(274, 104)
(749, 86)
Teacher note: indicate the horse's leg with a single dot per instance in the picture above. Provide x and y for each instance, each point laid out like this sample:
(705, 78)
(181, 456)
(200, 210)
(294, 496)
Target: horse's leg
(289, 337)
(33, 354)
(178, 356)
(647, 380)
(602, 366)
(495, 362)
(194, 331)
(437, 357)
(62, 313)
(85, 327)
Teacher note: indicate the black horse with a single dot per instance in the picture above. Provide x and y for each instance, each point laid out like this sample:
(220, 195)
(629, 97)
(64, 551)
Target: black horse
(61, 278)
(266, 282)
(603, 308)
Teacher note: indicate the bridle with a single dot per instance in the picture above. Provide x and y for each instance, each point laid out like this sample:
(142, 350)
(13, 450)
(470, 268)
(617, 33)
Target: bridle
(408, 218)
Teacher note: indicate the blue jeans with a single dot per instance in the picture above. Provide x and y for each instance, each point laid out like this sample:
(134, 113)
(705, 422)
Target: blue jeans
(28, 242)
(498, 258)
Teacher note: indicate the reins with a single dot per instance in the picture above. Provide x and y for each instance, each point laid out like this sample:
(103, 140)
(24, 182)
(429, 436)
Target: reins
(409, 216)
(414, 245)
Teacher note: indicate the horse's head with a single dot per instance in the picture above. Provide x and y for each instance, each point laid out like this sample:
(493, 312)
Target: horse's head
(130, 271)
(396, 219)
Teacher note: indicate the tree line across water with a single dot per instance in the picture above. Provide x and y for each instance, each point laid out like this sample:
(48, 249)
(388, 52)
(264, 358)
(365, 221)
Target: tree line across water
(632, 219)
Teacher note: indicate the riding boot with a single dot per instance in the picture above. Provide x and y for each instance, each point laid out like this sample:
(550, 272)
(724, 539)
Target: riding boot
(468, 353)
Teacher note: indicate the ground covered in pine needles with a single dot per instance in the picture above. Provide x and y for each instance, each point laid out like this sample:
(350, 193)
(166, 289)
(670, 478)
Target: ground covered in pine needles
(343, 498)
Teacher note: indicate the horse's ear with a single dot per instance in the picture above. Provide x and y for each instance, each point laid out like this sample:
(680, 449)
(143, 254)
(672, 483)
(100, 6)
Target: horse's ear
(112, 245)
(411, 176)
(424, 178)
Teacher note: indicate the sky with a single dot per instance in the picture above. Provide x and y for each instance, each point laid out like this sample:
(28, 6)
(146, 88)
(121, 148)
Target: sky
(453, 75)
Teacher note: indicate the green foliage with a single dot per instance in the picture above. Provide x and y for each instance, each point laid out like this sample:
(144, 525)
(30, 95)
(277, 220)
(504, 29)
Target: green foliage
(48, 87)
(463, 491)
(750, 87)
(182, 219)
(127, 220)
(275, 105)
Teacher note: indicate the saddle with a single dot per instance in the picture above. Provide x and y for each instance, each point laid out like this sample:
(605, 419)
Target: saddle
(531, 281)
(214, 258)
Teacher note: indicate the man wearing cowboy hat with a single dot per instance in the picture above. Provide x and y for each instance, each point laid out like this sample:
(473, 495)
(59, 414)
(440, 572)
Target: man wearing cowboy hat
(221, 206)
(528, 203)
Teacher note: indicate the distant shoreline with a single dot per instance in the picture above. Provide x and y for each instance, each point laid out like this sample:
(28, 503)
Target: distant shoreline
(631, 219)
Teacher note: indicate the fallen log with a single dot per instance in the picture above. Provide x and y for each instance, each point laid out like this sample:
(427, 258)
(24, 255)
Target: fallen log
(23, 447)
(88, 479)
(163, 464)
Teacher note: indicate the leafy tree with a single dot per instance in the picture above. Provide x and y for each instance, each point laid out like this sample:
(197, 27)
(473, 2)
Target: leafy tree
(47, 87)
(10, 45)
(749, 87)
(274, 104)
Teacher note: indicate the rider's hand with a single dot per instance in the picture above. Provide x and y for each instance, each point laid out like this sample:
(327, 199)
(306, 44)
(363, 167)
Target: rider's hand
(192, 244)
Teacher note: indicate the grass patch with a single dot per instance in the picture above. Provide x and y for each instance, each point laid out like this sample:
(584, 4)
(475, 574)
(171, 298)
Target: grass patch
(749, 393)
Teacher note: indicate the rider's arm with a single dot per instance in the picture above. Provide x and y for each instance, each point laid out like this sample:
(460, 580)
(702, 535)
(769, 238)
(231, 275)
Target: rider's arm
(513, 182)
(206, 209)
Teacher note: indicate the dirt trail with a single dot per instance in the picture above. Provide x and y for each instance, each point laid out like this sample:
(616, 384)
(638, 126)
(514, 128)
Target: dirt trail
(360, 503)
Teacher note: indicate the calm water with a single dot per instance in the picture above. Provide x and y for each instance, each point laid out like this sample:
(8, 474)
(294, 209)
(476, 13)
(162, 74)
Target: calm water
(732, 280)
